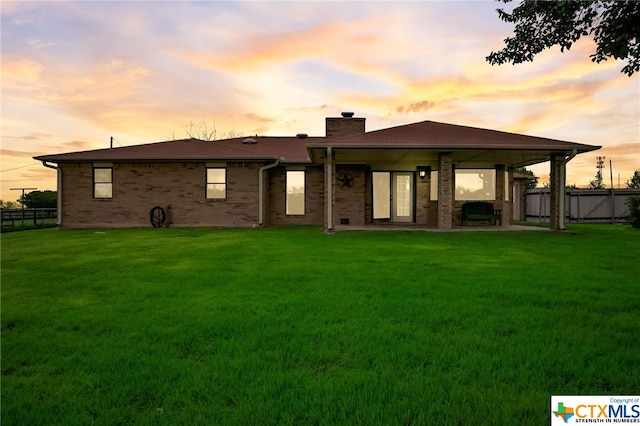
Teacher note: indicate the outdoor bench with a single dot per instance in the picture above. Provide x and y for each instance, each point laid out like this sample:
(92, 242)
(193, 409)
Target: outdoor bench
(480, 210)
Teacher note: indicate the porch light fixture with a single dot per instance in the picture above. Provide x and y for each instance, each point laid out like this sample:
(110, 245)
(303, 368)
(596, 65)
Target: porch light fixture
(424, 172)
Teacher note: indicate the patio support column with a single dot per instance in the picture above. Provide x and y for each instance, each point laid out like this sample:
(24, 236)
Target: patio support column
(445, 192)
(508, 217)
(504, 183)
(556, 208)
(500, 201)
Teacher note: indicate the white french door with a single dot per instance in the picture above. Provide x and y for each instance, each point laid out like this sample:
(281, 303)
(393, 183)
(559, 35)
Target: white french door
(393, 196)
(402, 197)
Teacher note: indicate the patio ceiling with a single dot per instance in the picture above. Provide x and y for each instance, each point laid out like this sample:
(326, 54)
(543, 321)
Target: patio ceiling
(462, 158)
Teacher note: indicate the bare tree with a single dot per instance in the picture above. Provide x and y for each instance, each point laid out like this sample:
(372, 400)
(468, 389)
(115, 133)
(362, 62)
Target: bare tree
(233, 134)
(201, 131)
(206, 132)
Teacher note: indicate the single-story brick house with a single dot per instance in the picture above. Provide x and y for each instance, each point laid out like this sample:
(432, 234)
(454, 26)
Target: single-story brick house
(420, 173)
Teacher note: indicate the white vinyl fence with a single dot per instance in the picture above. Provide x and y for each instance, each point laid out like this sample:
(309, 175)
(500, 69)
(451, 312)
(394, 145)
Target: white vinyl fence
(581, 205)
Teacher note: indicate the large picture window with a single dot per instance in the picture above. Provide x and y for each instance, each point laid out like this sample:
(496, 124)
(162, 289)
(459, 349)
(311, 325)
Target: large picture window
(216, 183)
(475, 184)
(295, 192)
(102, 182)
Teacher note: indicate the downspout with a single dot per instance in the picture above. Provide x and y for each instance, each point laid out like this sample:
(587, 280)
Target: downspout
(329, 184)
(563, 184)
(59, 190)
(261, 189)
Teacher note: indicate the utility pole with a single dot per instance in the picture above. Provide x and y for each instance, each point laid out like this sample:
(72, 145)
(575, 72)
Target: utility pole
(600, 166)
(611, 172)
(22, 199)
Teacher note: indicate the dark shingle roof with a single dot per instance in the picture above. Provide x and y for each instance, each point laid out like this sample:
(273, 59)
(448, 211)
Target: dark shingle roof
(430, 134)
(422, 136)
(288, 149)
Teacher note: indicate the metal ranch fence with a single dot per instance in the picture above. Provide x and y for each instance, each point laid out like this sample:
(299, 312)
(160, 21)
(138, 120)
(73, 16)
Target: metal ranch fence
(581, 205)
(28, 217)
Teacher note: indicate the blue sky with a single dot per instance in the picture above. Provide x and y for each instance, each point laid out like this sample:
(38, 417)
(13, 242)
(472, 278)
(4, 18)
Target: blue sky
(76, 73)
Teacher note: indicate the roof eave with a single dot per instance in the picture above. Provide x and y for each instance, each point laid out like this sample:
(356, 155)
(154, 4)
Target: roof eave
(581, 148)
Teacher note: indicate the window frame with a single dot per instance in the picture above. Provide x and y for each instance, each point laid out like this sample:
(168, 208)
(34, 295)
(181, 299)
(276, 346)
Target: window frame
(494, 188)
(286, 193)
(433, 185)
(95, 182)
(207, 182)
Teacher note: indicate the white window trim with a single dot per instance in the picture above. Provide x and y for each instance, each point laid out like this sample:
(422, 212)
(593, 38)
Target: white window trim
(207, 183)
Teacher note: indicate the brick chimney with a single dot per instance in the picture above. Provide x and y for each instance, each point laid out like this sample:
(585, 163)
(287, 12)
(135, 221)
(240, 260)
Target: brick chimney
(344, 126)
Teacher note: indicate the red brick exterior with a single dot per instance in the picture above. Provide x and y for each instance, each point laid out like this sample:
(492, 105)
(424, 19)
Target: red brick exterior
(337, 127)
(138, 187)
(557, 190)
(180, 188)
(349, 202)
(313, 203)
(446, 186)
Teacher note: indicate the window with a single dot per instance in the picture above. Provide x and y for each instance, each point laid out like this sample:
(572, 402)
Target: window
(216, 183)
(381, 195)
(434, 186)
(506, 186)
(295, 192)
(475, 184)
(102, 182)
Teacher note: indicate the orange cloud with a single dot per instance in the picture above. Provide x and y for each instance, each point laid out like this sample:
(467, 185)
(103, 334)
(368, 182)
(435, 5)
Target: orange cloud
(353, 45)
(20, 154)
(415, 107)
(106, 93)
(20, 73)
(28, 137)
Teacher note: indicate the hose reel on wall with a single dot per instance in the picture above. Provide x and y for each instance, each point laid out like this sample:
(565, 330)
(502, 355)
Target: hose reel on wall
(157, 217)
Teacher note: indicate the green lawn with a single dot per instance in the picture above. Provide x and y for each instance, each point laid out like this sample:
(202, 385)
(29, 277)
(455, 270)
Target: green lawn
(292, 326)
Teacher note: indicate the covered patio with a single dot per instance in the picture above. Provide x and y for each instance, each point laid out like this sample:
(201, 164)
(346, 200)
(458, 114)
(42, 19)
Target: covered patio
(430, 157)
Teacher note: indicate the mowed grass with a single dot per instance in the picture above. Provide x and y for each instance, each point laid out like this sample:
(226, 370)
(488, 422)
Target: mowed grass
(292, 326)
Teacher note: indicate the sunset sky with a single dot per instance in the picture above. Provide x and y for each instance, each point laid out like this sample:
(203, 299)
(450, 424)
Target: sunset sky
(76, 73)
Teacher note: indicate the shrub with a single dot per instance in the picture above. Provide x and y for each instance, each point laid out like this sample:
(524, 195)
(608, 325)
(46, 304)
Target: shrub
(634, 211)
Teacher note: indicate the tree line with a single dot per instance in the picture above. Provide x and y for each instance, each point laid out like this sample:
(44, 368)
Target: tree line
(33, 200)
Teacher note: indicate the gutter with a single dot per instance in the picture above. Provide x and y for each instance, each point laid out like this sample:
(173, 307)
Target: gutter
(59, 189)
(329, 186)
(261, 190)
(573, 154)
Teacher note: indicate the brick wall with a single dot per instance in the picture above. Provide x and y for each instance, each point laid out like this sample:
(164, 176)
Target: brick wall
(336, 127)
(138, 187)
(557, 161)
(422, 201)
(446, 180)
(349, 203)
(314, 197)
